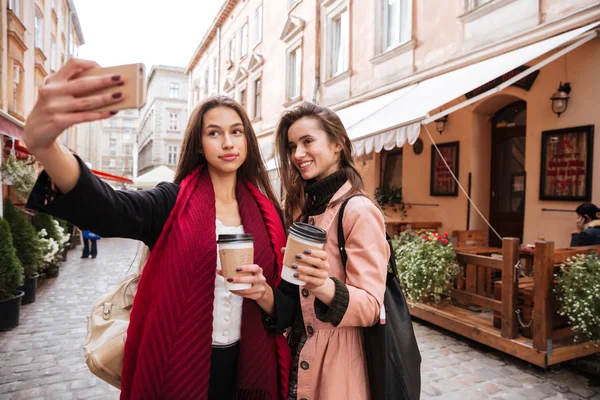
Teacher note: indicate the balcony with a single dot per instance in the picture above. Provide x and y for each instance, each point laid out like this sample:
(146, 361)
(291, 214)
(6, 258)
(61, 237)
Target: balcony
(16, 31)
(40, 61)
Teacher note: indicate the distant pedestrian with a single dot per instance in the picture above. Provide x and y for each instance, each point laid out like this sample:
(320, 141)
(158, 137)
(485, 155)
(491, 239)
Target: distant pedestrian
(87, 238)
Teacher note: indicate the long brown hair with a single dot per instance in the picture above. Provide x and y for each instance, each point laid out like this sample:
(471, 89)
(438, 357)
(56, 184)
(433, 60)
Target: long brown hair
(295, 202)
(252, 170)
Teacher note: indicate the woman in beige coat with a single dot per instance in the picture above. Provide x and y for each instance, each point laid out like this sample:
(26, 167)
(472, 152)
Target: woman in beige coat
(318, 174)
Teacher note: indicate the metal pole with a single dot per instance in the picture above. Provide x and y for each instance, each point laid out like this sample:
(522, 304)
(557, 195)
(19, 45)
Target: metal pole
(469, 204)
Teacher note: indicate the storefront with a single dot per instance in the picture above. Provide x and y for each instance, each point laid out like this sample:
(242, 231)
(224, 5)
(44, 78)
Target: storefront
(525, 166)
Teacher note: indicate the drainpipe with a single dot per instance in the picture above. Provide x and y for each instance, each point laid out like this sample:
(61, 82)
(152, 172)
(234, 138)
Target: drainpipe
(317, 51)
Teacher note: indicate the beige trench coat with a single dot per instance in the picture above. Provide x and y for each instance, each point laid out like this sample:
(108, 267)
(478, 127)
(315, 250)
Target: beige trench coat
(332, 362)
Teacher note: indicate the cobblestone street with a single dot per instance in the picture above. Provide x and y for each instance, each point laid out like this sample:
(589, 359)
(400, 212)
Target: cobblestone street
(43, 358)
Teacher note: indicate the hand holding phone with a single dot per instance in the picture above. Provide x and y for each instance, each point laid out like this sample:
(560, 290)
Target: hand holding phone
(132, 90)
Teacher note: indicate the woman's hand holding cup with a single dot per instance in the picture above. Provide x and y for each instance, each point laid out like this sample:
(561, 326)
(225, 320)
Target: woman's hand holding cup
(312, 267)
(254, 277)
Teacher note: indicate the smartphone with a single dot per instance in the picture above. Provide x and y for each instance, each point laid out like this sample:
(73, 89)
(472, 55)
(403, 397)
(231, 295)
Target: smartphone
(133, 89)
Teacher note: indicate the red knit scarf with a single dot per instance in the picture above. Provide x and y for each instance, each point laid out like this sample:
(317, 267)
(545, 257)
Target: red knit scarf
(169, 340)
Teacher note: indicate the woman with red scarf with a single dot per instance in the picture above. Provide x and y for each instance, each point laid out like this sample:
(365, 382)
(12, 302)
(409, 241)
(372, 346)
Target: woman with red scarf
(188, 338)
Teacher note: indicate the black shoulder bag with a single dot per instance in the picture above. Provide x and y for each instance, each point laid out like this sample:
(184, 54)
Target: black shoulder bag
(393, 357)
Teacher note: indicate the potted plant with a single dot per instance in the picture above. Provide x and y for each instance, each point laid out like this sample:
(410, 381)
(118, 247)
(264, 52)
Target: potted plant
(46, 222)
(427, 265)
(64, 237)
(19, 174)
(50, 255)
(11, 277)
(578, 293)
(26, 243)
(391, 196)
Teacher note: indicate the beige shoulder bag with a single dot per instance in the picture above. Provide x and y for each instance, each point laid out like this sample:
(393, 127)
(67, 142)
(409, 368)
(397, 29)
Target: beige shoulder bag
(107, 329)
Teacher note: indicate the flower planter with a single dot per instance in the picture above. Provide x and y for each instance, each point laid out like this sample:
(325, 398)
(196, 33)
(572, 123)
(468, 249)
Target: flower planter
(29, 288)
(65, 251)
(9, 312)
(52, 272)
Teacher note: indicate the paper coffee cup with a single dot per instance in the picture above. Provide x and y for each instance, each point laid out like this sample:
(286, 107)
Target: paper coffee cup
(235, 251)
(301, 237)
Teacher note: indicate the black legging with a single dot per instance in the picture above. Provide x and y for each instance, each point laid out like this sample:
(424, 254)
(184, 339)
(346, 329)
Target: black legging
(86, 248)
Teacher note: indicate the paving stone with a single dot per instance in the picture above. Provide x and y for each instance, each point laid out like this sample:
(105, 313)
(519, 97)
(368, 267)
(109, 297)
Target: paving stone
(583, 392)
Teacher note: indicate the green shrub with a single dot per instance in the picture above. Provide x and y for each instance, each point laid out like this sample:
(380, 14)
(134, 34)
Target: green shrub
(11, 269)
(427, 265)
(25, 239)
(578, 291)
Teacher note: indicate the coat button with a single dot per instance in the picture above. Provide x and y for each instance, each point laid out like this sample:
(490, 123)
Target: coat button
(304, 365)
(311, 221)
(310, 330)
(305, 292)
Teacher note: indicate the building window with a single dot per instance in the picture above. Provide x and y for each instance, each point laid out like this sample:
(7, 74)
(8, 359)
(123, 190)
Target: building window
(294, 68)
(15, 7)
(257, 98)
(206, 80)
(173, 154)
(113, 135)
(244, 37)
(113, 149)
(112, 163)
(244, 98)
(39, 28)
(339, 38)
(53, 55)
(471, 4)
(396, 23)
(215, 74)
(232, 48)
(257, 26)
(17, 88)
(72, 43)
(391, 168)
(127, 123)
(127, 136)
(174, 90)
(173, 117)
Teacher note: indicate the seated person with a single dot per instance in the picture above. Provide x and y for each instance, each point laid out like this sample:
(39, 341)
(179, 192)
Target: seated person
(588, 226)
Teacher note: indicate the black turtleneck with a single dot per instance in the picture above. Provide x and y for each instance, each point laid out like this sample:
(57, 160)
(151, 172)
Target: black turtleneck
(319, 193)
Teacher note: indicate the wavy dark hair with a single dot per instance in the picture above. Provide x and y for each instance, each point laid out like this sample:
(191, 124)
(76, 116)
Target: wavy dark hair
(295, 203)
(252, 170)
(589, 211)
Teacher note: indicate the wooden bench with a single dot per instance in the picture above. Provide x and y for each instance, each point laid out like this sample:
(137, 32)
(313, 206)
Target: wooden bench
(470, 238)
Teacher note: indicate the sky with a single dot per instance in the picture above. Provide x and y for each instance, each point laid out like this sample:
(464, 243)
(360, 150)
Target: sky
(152, 32)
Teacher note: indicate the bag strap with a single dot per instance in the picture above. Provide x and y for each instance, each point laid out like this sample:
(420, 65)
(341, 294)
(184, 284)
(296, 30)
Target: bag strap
(340, 230)
(342, 239)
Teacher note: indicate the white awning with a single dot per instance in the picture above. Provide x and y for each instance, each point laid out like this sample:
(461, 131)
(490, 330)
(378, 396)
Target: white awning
(390, 120)
(152, 178)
